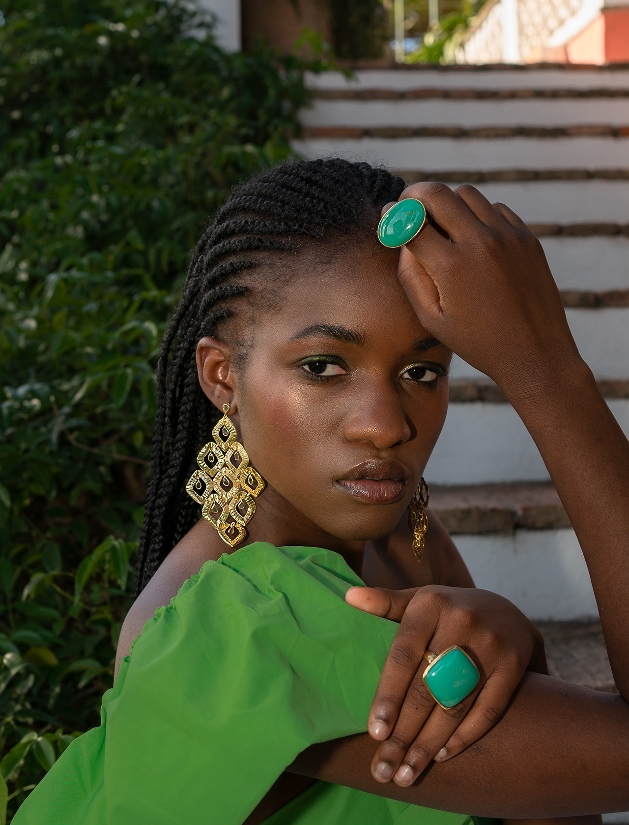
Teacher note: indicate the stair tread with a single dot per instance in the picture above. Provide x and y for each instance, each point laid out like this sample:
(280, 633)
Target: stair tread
(469, 390)
(576, 653)
(461, 132)
(498, 508)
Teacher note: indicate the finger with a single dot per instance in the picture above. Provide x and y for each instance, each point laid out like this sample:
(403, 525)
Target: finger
(480, 206)
(421, 289)
(491, 703)
(418, 705)
(510, 217)
(400, 668)
(435, 733)
(389, 604)
(447, 209)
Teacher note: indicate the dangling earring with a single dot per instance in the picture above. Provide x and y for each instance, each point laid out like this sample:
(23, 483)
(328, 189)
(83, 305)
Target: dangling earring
(418, 518)
(225, 483)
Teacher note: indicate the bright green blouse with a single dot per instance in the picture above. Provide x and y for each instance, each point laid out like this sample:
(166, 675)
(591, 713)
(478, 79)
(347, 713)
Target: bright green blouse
(257, 657)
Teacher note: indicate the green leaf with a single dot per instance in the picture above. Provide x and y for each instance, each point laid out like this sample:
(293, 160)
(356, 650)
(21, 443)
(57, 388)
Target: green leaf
(119, 562)
(89, 565)
(44, 753)
(5, 498)
(32, 584)
(4, 794)
(41, 657)
(7, 575)
(17, 753)
(122, 385)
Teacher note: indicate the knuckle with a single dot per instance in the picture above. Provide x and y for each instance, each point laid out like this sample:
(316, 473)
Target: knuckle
(490, 714)
(395, 744)
(418, 754)
(403, 655)
(466, 189)
(420, 696)
(434, 189)
(458, 711)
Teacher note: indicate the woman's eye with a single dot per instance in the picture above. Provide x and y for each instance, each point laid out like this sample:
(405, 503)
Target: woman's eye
(423, 374)
(323, 369)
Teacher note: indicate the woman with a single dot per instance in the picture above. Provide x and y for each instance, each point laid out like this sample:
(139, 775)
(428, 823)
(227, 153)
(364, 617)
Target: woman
(293, 323)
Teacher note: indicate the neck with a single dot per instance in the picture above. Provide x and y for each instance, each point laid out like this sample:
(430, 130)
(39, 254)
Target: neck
(277, 522)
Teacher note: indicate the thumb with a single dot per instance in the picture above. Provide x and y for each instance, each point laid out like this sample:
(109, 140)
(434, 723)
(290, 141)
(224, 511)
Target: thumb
(389, 604)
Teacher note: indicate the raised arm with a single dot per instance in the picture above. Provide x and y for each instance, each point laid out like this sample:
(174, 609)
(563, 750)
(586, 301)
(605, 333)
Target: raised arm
(488, 294)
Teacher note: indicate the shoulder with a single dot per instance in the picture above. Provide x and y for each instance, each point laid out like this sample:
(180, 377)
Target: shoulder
(183, 561)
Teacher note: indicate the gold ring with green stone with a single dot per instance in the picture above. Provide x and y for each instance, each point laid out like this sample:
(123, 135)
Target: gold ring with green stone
(450, 676)
(402, 222)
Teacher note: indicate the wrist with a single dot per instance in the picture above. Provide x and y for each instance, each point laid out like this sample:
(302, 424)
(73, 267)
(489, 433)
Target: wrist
(537, 393)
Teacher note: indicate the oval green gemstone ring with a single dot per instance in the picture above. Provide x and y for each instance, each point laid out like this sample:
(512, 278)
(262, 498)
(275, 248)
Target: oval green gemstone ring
(402, 222)
(450, 676)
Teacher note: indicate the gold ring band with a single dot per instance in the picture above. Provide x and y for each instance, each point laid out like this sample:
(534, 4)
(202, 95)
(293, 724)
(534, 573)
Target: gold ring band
(429, 656)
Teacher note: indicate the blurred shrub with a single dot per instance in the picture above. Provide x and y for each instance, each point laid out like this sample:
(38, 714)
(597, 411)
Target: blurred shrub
(441, 41)
(122, 127)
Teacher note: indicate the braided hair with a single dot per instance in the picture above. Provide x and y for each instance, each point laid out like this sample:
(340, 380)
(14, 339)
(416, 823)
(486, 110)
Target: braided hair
(278, 211)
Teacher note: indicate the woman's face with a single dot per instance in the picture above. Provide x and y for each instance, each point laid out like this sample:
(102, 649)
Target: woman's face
(341, 399)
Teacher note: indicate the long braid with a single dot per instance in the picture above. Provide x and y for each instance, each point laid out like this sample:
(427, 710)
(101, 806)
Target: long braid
(273, 213)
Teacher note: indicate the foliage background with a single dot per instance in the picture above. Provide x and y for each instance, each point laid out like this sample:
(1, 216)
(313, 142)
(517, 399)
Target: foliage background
(122, 127)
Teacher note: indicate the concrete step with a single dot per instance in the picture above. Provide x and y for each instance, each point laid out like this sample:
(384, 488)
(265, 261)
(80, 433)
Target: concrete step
(492, 79)
(558, 203)
(516, 541)
(484, 442)
(362, 111)
(576, 652)
(474, 153)
(602, 335)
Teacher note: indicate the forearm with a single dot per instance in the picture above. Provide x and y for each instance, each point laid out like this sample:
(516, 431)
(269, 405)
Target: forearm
(587, 456)
(560, 750)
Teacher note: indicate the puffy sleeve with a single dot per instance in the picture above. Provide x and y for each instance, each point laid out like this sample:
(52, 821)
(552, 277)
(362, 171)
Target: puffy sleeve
(256, 658)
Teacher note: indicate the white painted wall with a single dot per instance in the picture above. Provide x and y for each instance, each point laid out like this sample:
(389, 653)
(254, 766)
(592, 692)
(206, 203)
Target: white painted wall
(227, 12)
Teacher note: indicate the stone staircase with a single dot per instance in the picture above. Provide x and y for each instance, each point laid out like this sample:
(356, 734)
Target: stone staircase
(553, 143)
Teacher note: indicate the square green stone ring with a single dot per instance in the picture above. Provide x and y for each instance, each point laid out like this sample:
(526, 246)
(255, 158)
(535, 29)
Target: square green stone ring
(402, 222)
(450, 676)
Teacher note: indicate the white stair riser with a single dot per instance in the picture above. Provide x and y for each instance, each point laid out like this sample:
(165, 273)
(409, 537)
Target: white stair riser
(541, 571)
(475, 154)
(536, 112)
(459, 78)
(582, 201)
(484, 443)
(602, 336)
(589, 263)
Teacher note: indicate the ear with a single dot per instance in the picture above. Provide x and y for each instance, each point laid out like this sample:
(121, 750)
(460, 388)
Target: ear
(216, 373)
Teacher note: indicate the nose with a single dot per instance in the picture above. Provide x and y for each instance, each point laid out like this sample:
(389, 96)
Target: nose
(377, 416)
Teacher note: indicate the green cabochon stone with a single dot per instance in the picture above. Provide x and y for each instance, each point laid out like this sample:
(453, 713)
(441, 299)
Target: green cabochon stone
(452, 678)
(402, 222)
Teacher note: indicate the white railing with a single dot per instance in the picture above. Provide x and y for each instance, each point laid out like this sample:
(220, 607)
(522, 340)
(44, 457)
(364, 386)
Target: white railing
(519, 31)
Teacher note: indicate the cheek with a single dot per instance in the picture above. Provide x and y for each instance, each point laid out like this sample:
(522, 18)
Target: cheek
(284, 433)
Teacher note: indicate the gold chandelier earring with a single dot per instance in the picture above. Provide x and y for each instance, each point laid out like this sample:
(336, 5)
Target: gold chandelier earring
(225, 484)
(418, 518)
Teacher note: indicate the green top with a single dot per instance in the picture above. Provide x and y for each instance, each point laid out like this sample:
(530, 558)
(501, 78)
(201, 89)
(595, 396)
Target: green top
(257, 657)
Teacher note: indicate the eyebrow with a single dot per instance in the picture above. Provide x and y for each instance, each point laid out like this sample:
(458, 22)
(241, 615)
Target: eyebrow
(425, 343)
(339, 333)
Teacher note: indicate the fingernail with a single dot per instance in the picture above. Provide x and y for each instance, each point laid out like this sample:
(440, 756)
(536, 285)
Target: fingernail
(443, 754)
(404, 776)
(383, 771)
(379, 729)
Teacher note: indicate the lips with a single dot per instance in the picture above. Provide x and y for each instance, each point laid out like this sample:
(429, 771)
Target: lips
(378, 481)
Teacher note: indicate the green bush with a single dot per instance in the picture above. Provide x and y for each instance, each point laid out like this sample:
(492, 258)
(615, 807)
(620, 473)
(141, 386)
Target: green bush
(122, 128)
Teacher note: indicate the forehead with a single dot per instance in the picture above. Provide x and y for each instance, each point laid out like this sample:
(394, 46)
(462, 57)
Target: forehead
(355, 287)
